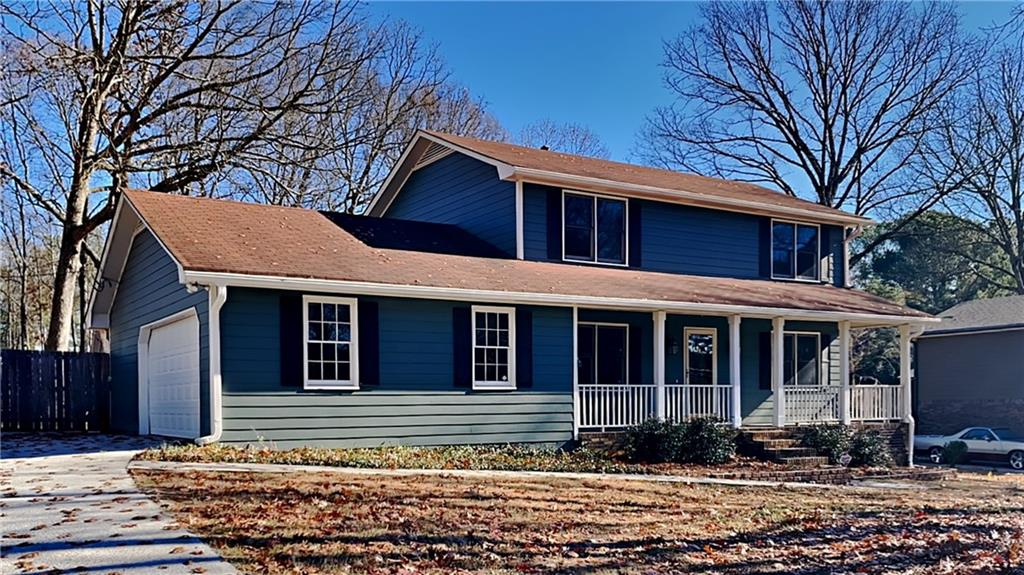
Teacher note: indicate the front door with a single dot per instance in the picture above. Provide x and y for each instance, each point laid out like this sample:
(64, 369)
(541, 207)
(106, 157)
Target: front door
(700, 374)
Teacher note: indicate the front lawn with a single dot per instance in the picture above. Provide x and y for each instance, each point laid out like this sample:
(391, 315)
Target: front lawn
(331, 523)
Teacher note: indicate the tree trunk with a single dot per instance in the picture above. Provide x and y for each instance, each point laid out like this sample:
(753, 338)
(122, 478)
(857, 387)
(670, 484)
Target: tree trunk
(69, 266)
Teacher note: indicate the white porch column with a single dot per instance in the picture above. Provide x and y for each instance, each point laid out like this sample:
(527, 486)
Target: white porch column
(845, 392)
(735, 369)
(575, 374)
(907, 410)
(778, 373)
(659, 364)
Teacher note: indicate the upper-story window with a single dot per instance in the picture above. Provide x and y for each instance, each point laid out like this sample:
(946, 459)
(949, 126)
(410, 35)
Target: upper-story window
(593, 228)
(795, 251)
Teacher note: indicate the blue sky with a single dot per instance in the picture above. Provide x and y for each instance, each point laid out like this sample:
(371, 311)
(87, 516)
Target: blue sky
(597, 64)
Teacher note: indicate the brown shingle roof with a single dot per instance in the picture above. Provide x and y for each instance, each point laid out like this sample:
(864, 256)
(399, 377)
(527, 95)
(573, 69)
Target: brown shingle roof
(234, 237)
(551, 161)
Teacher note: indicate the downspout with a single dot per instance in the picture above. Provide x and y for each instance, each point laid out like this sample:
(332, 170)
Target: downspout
(909, 418)
(218, 295)
(857, 230)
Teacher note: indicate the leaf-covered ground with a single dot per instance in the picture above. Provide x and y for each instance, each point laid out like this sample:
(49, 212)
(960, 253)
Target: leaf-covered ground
(330, 523)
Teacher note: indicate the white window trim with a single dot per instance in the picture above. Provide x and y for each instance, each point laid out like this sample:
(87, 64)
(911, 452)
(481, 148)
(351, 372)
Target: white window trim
(818, 358)
(817, 246)
(714, 352)
(353, 348)
(625, 239)
(597, 324)
(494, 385)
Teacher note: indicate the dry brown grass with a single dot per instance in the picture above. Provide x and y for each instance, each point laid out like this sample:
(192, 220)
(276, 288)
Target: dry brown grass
(333, 523)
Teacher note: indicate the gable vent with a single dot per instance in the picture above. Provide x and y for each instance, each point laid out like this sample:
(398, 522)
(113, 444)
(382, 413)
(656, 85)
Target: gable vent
(434, 153)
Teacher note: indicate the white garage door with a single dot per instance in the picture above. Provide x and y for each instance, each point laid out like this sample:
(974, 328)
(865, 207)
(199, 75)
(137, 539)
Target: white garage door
(173, 379)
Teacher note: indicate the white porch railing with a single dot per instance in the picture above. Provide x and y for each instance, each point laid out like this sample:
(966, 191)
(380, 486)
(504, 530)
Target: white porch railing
(686, 401)
(876, 402)
(812, 404)
(616, 405)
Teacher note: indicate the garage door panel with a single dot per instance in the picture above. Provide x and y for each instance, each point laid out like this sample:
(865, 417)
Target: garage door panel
(173, 379)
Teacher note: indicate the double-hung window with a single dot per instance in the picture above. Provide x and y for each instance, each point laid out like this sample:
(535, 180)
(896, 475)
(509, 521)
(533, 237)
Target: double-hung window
(801, 358)
(330, 354)
(494, 336)
(795, 251)
(594, 228)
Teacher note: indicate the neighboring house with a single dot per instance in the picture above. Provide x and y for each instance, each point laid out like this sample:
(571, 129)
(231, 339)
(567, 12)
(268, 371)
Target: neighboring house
(970, 368)
(492, 294)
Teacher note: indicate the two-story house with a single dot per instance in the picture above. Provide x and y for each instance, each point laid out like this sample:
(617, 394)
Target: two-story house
(491, 294)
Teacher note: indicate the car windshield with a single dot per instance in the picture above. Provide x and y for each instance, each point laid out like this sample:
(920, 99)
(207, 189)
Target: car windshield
(1007, 434)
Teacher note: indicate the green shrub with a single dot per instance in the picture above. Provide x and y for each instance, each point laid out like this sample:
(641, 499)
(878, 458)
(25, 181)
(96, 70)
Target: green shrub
(703, 441)
(868, 448)
(832, 441)
(954, 452)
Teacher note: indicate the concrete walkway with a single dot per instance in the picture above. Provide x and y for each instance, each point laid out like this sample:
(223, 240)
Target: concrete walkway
(70, 505)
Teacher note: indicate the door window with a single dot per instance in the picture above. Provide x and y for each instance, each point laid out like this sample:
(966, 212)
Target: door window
(700, 356)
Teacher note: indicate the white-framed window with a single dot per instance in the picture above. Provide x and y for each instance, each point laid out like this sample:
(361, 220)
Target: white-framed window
(594, 228)
(796, 251)
(602, 353)
(330, 350)
(801, 358)
(494, 339)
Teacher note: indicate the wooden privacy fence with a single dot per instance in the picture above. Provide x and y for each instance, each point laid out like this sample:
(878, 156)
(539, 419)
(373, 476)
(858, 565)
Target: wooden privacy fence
(54, 391)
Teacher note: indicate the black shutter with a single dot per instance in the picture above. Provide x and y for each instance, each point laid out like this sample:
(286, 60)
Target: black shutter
(524, 348)
(462, 347)
(635, 233)
(764, 243)
(764, 360)
(291, 339)
(554, 205)
(636, 355)
(369, 343)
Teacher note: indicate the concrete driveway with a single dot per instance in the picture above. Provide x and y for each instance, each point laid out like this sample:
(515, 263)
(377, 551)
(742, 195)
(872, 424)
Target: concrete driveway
(70, 505)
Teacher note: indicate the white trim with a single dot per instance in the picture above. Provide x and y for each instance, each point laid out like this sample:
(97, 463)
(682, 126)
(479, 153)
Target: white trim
(352, 382)
(520, 244)
(686, 352)
(844, 372)
(494, 385)
(778, 371)
(906, 335)
(796, 233)
(142, 359)
(217, 296)
(557, 300)
(625, 230)
(736, 368)
(659, 364)
(597, 324)
(575, 373)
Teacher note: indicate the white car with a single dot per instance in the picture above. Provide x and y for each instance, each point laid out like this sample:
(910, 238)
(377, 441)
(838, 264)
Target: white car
(983, 444)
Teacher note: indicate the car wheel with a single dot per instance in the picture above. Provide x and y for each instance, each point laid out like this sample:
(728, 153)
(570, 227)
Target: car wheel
(935, 455)
(1017, 460)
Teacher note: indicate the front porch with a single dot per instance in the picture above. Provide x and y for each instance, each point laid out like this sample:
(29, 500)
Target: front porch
(748, 370)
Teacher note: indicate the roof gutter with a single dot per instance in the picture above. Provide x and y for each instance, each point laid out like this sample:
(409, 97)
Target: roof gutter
(547, 177)
(218, 294)
(549, 299)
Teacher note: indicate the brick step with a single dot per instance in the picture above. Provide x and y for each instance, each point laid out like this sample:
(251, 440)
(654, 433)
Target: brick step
(771, 434)
(803, 462)
(778, 443)
(785, 452)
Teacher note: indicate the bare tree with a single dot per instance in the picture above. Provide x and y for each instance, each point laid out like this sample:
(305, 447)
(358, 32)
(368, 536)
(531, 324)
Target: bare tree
(977, 160)
(187, 97)
(827, 98)
(565, 137)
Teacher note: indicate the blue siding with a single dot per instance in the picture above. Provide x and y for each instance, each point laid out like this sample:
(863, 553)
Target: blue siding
(416, 402)
(684, 239)
(463, 191)
(149, 291)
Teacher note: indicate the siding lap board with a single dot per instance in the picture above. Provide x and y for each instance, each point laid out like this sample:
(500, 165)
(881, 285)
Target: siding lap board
(415, 403)
(149, 291)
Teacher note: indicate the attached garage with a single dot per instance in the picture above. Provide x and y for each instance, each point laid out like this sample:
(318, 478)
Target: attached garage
(169, 368)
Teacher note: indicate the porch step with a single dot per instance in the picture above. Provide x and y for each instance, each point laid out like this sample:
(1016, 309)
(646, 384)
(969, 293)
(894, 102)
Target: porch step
(803, 462)
(779, 443)
(790, 452)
